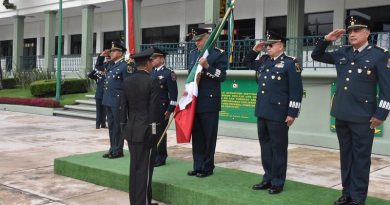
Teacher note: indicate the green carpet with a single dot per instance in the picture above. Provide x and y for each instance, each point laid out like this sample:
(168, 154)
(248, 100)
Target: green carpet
(172, 185)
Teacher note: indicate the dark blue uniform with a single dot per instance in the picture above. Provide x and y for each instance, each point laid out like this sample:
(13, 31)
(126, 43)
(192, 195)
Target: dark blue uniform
(168, 98)
(279, 95)
(353, 105)
(99, 76)
(115, 74)
(205, 128)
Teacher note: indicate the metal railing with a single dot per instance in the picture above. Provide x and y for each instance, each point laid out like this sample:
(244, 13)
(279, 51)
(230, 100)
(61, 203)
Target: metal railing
(178, 52)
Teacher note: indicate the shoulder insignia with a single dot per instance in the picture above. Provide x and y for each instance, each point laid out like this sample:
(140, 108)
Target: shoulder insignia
(292, 57)
(298, 67)
(383, 49)
(220, 50)
(193, 50)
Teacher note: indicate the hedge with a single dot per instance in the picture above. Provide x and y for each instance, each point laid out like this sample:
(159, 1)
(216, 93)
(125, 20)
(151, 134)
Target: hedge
(9, 83)
(47, 88)
(40, 102)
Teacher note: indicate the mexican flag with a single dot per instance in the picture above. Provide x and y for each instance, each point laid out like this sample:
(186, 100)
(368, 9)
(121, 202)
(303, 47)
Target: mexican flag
(185, 110)
(128, 23)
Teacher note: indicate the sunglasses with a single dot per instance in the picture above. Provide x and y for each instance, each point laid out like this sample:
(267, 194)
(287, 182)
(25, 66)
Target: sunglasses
(270, 45)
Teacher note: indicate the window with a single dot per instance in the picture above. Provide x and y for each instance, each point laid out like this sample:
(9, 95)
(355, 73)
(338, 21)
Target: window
(109, 37)
(168, 34)
(277, 24)
(6, 48)
(318, 24)
(379, 17)
(56, 45)
(30, 47)
(75, 44)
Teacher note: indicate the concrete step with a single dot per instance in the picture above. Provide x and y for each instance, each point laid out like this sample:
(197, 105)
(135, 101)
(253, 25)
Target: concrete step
(81, 107)
(77, 114)
(90, 96)
(87, 102)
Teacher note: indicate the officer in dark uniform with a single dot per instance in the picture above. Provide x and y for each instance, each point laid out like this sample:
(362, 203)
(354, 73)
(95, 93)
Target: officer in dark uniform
(99, 75)
(277, 105)
(168, 98)
(360, 68)
(205, 127)
(140, 113)
(116, 72)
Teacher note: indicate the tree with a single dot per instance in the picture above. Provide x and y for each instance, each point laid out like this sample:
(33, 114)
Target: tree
(8, 5)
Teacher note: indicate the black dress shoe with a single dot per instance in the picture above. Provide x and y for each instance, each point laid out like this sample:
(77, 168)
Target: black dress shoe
(154, 204)
(356, 202)
(97, 127)
(106, 155)
(262, 186)
(192, 173)
(343, 200)
(159, 164)
(204, 174)
(275, 190)
(114, 156)
(103, 126)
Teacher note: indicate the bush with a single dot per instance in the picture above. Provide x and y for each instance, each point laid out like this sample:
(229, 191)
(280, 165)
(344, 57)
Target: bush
(47, 88)
(30, 101)
(9, 83)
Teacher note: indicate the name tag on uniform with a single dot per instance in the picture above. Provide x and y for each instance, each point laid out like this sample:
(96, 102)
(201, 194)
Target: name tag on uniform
(160, 77)
(279, 65)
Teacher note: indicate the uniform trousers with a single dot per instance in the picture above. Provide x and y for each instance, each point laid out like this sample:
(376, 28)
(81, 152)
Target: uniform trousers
(273, 138)
(141, 172)
(204, 139)
(355, 141)
(113, 119)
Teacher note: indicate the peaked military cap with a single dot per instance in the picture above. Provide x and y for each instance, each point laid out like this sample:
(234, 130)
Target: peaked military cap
(272, 37)
(158, 52)
(356, 22)
(197, 34)
(118, 46)
(143, 55)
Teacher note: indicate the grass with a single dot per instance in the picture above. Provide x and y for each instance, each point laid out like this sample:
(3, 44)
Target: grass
(172, 185)
(20, 92)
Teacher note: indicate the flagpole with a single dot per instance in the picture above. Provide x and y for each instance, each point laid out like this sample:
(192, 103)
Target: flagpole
(165, 131)
(59, 52)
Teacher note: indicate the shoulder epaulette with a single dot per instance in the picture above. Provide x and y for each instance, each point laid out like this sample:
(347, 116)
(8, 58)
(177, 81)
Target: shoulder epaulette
(383, 49)
(193, 50)
(292, 57)
(341, 46)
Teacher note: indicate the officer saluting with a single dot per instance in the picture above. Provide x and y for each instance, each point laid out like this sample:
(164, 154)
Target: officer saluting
(205, 127)
(116, 72)
(168, 98)
(277, 105)
(360, 67)
(140, 113)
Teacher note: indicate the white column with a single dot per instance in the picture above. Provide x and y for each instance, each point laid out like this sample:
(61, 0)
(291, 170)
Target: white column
(66, 44)
(39, 46)
(183, 20)
(339, 14)
(260, 19)
(99, 42)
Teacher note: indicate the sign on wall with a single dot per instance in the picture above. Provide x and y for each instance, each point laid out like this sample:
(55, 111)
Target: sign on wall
(238, 100)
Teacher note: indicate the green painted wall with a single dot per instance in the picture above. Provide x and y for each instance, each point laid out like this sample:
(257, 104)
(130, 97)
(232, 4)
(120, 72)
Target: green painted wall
(313, 125)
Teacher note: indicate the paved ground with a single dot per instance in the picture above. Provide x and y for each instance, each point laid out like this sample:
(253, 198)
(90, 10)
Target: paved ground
(29, 144)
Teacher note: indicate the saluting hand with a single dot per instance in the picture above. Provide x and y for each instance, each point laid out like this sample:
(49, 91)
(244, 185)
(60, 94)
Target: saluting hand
(334, 35)
(105, 53)
(289, 120)
(259, 46)
(204, 63)
(375, 122)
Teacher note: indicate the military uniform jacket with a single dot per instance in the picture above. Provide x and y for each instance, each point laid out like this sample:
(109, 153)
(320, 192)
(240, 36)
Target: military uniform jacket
(99, 77)
(209, 88)
(280, 87)
(168, 88)
(355, 99)
(115, 74)
(140, 108)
